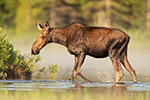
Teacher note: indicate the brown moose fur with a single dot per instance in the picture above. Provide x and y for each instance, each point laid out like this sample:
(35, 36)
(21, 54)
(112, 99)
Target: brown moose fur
(81, 40)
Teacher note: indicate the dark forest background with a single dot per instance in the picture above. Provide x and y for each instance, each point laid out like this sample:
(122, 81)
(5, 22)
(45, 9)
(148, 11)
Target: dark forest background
(19, 15)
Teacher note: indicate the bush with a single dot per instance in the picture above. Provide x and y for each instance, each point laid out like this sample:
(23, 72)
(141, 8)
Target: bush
(43, 73)
(13, 65)
(5, 49)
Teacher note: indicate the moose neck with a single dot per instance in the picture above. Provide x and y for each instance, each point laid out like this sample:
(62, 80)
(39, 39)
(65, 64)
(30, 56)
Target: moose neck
(59, 36)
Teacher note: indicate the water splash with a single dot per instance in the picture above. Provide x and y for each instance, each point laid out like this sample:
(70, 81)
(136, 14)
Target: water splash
(105, 77)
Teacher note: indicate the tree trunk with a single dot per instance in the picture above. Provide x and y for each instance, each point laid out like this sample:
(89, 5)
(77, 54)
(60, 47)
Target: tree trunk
(53, 13)
(103, 15)
(148, 14)
(108, 8)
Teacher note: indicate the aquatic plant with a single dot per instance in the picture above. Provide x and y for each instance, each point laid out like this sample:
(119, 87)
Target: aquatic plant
(38, 72)
(45, 72)
(53, 71)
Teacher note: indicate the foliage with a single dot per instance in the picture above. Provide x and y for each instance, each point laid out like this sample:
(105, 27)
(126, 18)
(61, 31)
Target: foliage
(7, 12)
(41, 72)
(53, 71)
(38, 72)
(27, 11)
(5, 48)
(20, 15)
(13, 65)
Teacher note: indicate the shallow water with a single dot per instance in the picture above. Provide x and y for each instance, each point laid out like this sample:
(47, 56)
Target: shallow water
(28, 85)
(66, 90)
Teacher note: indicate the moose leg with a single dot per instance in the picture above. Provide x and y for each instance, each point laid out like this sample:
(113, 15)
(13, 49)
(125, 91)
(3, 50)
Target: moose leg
(72, 76)
(127, 65)
(76, 70)
(81, 58)
(118, 70)
(78, 51)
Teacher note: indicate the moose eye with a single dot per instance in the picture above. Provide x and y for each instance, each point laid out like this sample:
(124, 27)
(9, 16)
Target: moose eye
(42, 33)
(43, 37)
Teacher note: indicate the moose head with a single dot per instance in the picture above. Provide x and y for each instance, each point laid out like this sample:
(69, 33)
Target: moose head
(42, 38)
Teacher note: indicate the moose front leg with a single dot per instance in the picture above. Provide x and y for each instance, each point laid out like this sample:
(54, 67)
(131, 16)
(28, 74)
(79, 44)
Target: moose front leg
(72, 76)
(81, 58)
(80, 61)
(76, 70)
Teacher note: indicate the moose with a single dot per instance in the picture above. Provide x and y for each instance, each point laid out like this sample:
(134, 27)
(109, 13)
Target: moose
(81, 40)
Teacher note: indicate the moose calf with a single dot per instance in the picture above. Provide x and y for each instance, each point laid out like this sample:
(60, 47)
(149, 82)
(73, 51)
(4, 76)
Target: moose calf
(81, 40)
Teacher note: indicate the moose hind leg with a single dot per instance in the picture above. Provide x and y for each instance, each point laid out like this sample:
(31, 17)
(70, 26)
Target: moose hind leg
(118, 69)
(114, 54)
(127, 65)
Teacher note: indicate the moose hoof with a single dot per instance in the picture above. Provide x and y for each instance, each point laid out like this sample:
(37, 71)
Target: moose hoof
(87, 81)
(70, 78)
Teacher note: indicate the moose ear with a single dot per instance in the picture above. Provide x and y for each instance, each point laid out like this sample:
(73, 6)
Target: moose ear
(39, 26)
(46, 24)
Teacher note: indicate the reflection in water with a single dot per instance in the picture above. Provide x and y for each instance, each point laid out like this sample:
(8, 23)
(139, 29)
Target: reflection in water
(65, 90)
(118, 89)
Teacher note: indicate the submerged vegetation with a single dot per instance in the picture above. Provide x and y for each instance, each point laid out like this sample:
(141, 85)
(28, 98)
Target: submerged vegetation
(14, 65)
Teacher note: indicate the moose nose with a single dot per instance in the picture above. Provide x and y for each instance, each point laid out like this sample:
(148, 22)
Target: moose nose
(35, 52)
(32, 52)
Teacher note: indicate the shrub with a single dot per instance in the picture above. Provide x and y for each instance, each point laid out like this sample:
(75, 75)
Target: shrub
(13, 65)
(44, 73)
(53, 71)
(5, 49)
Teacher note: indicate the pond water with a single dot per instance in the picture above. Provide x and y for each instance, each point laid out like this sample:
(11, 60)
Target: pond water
(66, 90)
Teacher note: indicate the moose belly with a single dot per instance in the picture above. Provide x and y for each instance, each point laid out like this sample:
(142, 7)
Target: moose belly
(98, 53)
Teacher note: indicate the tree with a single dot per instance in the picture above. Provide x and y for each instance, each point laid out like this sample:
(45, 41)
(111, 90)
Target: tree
(148, 14)
(21, 14)
(7, 12)
(28, 11)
